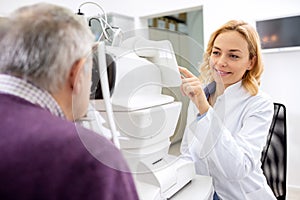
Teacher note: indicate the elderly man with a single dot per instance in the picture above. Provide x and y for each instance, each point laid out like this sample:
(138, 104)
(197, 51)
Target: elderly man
(45, 77)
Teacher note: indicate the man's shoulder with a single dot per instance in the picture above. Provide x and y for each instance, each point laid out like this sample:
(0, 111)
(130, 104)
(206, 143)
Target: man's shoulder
(51, 151)
(27, 124)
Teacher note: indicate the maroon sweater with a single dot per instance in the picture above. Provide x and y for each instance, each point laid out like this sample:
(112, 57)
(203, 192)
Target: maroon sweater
(46, 157)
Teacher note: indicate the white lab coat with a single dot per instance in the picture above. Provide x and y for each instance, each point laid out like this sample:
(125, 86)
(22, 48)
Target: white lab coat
(227, 143)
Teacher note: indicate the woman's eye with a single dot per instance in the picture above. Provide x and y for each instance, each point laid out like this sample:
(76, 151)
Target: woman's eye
(234, 56)
(215, 53)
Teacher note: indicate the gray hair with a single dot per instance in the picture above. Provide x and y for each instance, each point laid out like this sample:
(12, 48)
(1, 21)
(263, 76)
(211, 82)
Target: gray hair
(3, 26)
(43, 43)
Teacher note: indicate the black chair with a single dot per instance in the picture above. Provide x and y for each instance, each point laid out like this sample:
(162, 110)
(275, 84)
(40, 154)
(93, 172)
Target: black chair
(274, 155)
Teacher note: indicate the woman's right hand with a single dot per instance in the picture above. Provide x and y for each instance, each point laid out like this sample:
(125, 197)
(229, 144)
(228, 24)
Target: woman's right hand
(191, 86)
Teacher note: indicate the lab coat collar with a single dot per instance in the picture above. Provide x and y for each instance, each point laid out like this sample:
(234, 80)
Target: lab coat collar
(234, 88)
(230, 90)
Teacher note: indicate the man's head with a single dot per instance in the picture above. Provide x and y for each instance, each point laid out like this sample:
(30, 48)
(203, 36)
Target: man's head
(50, 46)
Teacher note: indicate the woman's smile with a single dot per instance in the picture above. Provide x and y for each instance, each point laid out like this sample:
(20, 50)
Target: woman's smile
(221, 72)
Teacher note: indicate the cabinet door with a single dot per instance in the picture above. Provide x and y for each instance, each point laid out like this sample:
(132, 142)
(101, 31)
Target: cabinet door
(191, 52)
(173, 37)
(157, 34)
(180, 47)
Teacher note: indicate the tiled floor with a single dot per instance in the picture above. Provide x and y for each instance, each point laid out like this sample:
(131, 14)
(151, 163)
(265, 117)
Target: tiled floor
(292, 194)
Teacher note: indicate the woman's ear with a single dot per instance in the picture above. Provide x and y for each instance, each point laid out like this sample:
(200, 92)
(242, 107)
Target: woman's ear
(75, 75)
(252, 63)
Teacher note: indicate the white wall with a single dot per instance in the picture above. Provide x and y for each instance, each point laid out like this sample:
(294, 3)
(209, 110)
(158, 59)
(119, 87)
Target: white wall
(140, 10)
(217, 12)
(282, 69)
(126, 7)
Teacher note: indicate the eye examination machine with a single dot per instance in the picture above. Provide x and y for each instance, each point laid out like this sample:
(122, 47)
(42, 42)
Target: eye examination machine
(142, 117)
(128, 106)
(145, 118)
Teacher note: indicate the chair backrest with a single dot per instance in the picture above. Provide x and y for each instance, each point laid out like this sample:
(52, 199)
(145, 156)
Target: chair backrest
(274, 155)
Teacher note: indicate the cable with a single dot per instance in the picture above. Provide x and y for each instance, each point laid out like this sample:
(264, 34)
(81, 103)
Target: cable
(89, 2)
(101, 23)
(104, 25)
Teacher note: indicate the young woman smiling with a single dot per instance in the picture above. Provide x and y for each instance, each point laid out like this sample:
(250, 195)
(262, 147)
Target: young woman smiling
(229, 120)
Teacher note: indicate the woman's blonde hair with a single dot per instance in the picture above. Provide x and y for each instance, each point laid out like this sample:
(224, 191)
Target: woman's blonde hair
(251, 78)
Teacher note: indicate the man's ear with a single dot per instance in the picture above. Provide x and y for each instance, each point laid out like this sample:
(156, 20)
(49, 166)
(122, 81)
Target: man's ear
(75, 75)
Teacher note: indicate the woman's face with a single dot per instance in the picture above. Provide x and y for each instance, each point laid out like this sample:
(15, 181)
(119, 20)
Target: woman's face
(229, 58)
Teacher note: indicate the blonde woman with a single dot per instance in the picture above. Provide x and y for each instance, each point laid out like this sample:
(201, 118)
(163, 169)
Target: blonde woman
(229, 119)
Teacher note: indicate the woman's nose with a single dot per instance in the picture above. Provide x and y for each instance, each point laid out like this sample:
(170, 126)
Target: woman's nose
(222, 61)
